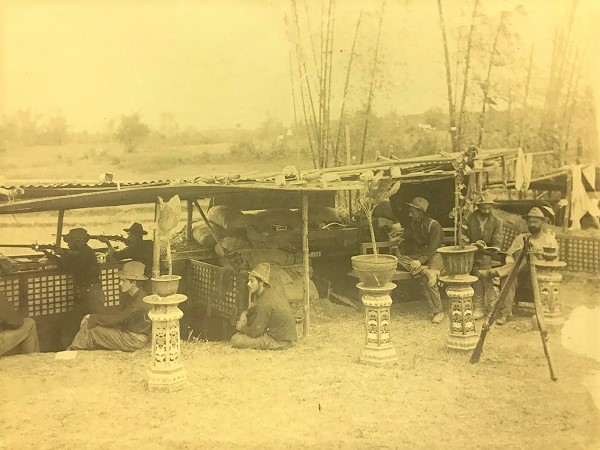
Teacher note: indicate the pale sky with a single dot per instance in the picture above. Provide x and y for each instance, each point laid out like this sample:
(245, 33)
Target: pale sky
(216, 63)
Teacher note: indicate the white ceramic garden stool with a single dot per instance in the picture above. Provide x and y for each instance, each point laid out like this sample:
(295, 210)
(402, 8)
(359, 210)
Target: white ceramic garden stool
(462, 334)
(166, 372)
(378, 343)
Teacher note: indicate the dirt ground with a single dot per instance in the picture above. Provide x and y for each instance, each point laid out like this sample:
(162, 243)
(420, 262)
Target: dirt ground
(316, 394)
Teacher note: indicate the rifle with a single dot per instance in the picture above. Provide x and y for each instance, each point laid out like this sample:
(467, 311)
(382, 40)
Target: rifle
(512, 277)
(539, 315)
(110, 237)
(36, 247)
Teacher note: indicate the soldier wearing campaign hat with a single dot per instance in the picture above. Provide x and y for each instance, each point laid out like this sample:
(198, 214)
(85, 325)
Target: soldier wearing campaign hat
(137, 248)
(484, 229)
(418, 253)
(269, 324)
(539, 242)
(128, 329)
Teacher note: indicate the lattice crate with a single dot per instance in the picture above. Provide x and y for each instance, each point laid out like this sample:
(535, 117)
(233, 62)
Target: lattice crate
(583, 254)
(110, 286)
(202, 282)
(231, 297)
(508, 236)
(10, 286)
(562, 247)
(50, 294)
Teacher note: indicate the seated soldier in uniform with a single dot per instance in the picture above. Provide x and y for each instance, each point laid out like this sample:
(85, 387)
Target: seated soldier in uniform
(539, 240)
(269, 324)
(127, 330)
(17, 334)
(418, 253)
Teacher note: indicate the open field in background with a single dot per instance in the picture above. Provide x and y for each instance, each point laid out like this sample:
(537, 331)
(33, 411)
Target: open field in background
(151, 162)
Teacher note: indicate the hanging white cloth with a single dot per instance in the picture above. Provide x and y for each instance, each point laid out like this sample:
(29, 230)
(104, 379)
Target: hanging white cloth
(589, 173)
(523, 168)
(580, 201)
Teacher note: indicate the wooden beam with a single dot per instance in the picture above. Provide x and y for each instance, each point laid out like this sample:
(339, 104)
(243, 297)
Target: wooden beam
(59, 227)
(569, 200)
(306, 264)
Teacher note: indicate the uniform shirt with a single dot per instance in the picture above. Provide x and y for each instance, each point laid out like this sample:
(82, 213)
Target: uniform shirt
(132, 317)
(83, 265)
(489, 231)
(139, 251)
(422, 239)
(537, 243)
(272, 315)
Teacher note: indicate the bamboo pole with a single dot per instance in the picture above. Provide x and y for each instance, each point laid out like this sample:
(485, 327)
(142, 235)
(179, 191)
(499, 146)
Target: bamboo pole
(306, 265)
(59, 227)
(156, 244)
(569, 199)
(525, 97)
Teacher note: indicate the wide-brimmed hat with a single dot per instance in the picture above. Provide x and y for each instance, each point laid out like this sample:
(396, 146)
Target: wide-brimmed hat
(77, 234)
(137, 229)
(486, 198)
(419, 203)
(536, 212)
(261, 271)
(133, 270)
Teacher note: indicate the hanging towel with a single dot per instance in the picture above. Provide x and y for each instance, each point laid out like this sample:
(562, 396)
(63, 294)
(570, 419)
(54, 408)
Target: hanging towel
(589, 173)
(523, 167)
(580, 201)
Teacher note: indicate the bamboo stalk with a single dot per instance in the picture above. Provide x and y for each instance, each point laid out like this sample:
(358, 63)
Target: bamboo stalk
(371, 88)
(346, 84)
(466, 74)
(526, 95)
(451, 106)
(156, 244)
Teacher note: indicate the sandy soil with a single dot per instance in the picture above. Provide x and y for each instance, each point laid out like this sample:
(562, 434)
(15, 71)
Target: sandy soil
(316, 394)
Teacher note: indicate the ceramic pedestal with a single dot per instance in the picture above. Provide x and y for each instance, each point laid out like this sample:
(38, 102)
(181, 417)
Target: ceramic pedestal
(378, 345)
(166, 372)
(549, 280)
(462, 334)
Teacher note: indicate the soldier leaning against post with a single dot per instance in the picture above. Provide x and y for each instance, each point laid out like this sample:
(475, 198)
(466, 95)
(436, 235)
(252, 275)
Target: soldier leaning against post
(418, 253)
(484, 225)
(540, 241)
(79, 260)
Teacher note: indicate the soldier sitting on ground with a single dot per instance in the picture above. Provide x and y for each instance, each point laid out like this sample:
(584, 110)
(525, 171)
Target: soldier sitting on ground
(127, 330)
(269, 324)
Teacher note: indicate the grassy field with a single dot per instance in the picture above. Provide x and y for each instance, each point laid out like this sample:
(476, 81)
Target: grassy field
(149, 162)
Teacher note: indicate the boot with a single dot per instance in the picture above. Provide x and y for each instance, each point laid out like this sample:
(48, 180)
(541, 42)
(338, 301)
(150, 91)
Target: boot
(437, 317)
(502, 320)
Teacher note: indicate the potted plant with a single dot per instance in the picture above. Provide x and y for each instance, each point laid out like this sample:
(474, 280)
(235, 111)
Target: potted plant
(168, 219)
(375, 270)
(458, 258)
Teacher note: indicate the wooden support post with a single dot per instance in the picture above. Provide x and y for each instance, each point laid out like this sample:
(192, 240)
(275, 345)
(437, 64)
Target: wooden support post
(59, 227)
(569, 199)
(188, 226)
(305, 263)
(348, 162)
(156, 248)
(504, 173)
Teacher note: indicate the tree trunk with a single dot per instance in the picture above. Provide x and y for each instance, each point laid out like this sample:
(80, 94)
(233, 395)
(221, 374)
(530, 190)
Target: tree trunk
(525, 97)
